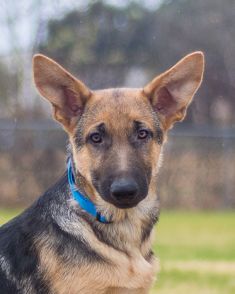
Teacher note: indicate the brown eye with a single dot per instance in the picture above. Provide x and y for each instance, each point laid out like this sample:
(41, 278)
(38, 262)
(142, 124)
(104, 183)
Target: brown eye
(143, 134)
(96, 138)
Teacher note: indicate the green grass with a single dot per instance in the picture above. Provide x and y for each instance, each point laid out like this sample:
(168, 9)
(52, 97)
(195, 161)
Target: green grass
(197, 239)
(196, 235)
(196, 252)
(184, 282)
(8, 213)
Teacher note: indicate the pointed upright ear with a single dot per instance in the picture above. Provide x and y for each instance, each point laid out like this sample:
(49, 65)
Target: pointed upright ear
(171, 92)
(67, 95)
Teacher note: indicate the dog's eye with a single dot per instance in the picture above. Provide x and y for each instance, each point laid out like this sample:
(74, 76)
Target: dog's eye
(96, 138)
(143, 134)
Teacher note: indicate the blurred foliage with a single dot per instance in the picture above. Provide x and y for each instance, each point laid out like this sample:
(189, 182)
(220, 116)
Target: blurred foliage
(101, 42)
(101, 35)
(111, 46)
(109, 40)
(5, 90)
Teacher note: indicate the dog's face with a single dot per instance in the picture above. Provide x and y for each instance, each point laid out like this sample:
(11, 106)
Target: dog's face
(116, 145)
(116, 134)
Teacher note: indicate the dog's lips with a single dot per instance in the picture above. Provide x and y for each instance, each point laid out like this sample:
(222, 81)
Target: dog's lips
(126, 203)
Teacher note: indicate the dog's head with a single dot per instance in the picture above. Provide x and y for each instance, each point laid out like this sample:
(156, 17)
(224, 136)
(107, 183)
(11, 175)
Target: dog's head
(116, 134)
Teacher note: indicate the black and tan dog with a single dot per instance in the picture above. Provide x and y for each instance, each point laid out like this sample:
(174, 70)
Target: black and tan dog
(91, 232)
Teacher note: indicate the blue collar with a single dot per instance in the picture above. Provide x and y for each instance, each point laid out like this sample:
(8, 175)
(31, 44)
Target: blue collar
(84, 202)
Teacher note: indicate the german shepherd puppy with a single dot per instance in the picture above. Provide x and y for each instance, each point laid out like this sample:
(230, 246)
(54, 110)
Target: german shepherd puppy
(91, 232)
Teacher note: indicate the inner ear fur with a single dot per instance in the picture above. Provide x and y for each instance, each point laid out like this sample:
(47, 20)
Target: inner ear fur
(171, 92)
(67, 95)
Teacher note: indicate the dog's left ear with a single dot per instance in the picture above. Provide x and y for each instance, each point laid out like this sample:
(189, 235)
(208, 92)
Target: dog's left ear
(67, 95)
(171, 92)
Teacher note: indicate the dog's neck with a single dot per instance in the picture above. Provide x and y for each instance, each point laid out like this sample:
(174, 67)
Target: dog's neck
(130, 230)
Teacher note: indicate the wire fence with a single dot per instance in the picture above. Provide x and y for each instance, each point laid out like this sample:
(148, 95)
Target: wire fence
(198, 170)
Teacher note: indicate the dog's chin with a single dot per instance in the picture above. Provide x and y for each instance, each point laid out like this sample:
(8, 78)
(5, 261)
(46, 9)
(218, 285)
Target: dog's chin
(124, 204)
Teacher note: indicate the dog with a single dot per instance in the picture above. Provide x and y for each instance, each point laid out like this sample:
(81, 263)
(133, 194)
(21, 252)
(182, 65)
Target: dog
(92, 231)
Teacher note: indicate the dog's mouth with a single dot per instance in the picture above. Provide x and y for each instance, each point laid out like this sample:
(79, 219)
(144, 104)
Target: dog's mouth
(125, 203)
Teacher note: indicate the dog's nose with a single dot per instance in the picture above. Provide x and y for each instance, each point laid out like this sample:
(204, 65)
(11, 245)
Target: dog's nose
(124, 189)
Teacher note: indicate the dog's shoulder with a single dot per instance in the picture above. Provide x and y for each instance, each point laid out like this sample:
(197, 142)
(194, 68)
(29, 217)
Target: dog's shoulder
(19, 255)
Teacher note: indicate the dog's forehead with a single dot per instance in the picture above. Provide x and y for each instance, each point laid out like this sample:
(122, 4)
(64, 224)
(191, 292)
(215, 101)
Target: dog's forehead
(119, 106)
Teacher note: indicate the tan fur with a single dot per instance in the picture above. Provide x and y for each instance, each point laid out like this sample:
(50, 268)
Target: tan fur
(126, 272)
(128, 269)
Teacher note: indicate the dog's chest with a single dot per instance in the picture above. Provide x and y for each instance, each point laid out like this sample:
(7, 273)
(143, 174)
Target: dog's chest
(121, 274)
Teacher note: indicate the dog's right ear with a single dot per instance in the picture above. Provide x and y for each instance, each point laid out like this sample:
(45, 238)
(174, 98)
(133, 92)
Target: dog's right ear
(67, 95)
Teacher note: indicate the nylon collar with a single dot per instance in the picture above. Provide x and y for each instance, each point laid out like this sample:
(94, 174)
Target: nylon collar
(85, 203)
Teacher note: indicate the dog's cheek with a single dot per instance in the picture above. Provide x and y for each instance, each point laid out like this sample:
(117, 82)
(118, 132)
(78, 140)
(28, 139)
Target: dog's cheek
(143, 174)
(82, 162)
(151, 159)
(95, 182)
(155, 159)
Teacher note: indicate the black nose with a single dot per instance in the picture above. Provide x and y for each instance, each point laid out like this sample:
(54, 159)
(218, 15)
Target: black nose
(124, 188)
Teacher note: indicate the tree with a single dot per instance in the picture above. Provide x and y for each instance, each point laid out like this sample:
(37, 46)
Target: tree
(101, 43)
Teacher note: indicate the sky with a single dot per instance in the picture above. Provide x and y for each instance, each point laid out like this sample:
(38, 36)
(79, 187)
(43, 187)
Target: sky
(19, 19)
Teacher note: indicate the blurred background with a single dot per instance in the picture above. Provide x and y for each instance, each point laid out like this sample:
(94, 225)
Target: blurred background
(125, 44)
